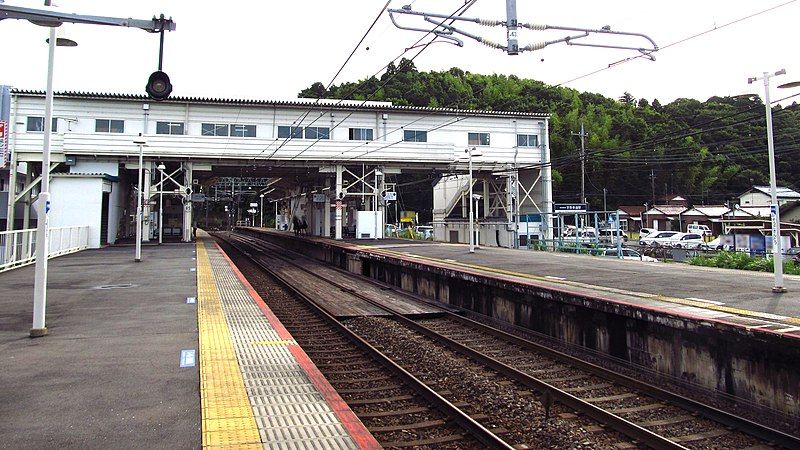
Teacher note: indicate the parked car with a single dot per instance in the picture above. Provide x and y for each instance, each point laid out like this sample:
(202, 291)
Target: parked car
(424, 231)
(702, 230)
(686, 240)
(644, 232)
(629, 254)
(583, 235)
(391, 230)
(793, 253)
(609, 235)
(658, 238)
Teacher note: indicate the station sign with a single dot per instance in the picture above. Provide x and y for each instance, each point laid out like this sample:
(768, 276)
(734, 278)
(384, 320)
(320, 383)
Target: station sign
(390, 196)
(570, 207)
(319, 198)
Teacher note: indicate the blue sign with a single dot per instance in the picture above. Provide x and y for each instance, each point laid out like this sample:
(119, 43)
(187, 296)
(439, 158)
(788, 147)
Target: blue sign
(187, 358)
(530, 218)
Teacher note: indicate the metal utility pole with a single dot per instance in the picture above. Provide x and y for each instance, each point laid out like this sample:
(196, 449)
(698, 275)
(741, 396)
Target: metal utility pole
(583, 135)
(775, 207)
(653, 186)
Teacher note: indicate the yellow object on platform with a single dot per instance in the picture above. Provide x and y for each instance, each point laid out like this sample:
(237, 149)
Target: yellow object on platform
(227, 417)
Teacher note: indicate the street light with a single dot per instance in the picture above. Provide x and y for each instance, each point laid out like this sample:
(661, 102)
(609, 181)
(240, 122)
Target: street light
(161, 168)
(777, 256)
(471, 152)
(38, 328)
(138, 257)
(261, 212)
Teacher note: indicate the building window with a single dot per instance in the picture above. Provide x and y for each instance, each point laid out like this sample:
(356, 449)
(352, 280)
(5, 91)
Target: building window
(318, 133)
(527, 140)
(478, 138)
(214, 129)
(109, 126)
(239, 130)
(360, 134)
(415, 136)
(290, 132)
(170, 128)
(37, 124)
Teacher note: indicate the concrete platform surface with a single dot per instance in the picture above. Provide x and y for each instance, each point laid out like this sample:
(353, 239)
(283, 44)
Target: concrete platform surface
(107, 375)
(745, 290)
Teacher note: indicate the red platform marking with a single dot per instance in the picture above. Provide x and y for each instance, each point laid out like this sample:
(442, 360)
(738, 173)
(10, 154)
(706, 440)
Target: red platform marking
(355, 428)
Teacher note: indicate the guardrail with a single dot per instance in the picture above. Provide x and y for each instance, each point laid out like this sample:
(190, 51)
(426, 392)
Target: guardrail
(18, 247)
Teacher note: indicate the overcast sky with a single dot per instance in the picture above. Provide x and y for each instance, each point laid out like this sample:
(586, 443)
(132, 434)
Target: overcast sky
(273, 49)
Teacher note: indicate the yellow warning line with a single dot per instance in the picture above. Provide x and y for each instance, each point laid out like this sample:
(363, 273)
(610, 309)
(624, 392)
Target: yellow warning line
(227, 417)
(662, 298)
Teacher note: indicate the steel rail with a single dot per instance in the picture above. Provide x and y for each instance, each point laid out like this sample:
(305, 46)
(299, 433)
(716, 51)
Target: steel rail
(469, 424)
(747, 426)
(620, 424)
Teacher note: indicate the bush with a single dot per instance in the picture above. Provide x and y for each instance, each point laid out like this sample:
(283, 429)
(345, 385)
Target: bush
(743, 261)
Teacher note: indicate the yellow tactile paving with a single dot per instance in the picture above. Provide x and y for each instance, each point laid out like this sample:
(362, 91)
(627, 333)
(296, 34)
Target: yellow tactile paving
(675, 300)
(227, 417)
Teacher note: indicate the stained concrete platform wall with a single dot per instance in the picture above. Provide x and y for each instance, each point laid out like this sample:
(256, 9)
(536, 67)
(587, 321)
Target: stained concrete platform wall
(755, 366)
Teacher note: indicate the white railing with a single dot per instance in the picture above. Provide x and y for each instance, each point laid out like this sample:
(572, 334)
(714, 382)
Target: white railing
(18, 247)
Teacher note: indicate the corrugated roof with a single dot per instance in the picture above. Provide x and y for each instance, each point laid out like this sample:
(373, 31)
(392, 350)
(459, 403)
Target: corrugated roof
(299, 103)
(667, 209)
(782, 192)
(708, 210)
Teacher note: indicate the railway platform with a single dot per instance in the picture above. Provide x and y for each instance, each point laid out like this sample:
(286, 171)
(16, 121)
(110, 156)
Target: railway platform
(177, 351)
(721, 330)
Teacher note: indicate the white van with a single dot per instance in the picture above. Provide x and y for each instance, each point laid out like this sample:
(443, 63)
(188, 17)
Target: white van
(702, 230)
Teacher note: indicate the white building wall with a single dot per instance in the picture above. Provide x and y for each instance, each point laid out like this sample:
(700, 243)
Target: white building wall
(447, 131)
(93, 166)
(77, 201)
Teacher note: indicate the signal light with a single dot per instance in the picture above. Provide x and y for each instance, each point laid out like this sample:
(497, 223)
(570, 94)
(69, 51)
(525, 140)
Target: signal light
(158, 86)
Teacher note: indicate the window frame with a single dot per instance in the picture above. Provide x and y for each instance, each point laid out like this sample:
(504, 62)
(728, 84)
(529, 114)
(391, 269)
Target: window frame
(54, 122)
(245, 130)
(352, 132)
(416, 136)
(479, 140)
(326, 135)
(527, 138)
(170, 125)
(216, 127)
(294, 132)
(109, 126)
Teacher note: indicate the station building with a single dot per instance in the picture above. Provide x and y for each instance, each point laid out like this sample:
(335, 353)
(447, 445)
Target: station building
(327, 162)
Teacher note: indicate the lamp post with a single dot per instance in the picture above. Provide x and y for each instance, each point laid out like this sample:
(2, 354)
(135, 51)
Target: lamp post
(777, 256)
(161, 167)
(261, 212)
(138, 257)
(471, 152)
(38, 327)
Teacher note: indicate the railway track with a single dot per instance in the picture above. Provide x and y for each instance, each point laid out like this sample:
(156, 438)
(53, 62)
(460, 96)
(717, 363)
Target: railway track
(544, 383)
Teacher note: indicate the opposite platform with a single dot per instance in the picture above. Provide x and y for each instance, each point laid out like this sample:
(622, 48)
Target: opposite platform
(108, 374)
(258, 387)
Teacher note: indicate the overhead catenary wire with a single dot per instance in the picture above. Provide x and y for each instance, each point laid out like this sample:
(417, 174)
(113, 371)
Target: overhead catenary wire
(459, 10)
(678, 42)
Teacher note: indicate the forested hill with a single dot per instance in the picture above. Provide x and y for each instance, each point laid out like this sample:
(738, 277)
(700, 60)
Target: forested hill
(706, 151)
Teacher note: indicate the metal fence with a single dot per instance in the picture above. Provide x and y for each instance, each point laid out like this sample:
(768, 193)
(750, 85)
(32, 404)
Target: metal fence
(18, 247)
